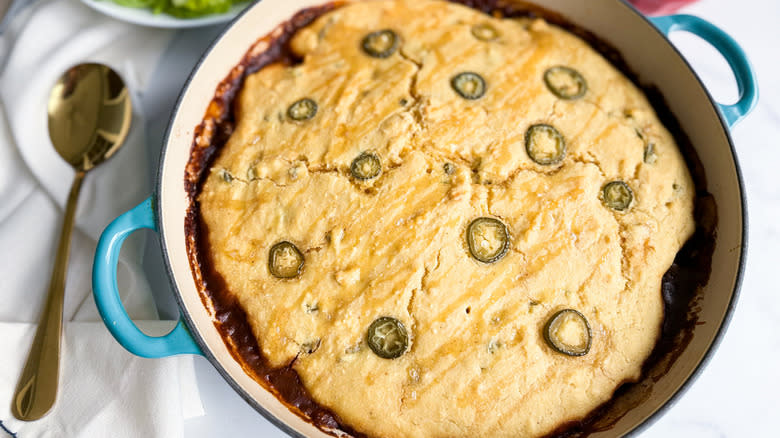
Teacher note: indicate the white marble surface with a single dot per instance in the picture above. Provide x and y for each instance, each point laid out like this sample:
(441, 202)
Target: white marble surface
(737, 394)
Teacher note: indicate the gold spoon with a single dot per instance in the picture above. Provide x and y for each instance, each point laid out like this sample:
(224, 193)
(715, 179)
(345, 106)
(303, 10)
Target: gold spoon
(89, 116)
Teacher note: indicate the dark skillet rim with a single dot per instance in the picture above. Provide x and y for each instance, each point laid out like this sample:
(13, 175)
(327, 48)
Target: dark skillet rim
(647, 422)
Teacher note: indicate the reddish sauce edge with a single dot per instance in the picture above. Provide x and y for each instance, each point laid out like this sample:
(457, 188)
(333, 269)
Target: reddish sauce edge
(681, 284)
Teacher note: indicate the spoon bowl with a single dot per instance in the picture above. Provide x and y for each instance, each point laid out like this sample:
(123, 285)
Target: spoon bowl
(89, 115)
(90, 112)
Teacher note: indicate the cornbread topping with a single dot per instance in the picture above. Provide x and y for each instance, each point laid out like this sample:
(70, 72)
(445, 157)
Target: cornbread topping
(450, 214)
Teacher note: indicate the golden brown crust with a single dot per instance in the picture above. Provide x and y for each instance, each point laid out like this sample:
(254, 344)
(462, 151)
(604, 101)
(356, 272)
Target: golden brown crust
(394, 245)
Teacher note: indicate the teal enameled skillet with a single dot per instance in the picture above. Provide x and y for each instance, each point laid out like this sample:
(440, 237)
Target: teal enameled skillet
(643, 44)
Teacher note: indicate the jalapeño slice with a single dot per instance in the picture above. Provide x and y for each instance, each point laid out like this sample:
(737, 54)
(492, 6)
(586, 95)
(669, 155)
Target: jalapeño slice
(568, 332)
(565, 82)
(617, 195)
(380, 44)
(484, 32)
(303, 109)
(387, 338)
(544, 144)
(366, 166)
(285, 260)
(468, 85)
(488, 239)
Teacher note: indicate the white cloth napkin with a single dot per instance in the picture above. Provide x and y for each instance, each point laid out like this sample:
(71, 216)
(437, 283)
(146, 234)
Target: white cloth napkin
(104, 390)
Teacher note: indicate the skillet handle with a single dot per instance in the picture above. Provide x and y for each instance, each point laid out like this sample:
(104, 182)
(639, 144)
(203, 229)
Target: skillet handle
(104, 287)
(735, 56)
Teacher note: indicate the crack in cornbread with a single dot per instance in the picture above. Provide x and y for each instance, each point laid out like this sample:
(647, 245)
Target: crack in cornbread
(477, 364)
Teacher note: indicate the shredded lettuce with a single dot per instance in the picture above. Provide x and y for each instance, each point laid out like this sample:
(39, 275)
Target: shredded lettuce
(181, 8)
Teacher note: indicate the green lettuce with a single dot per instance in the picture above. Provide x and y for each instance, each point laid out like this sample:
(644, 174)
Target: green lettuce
(181, 8)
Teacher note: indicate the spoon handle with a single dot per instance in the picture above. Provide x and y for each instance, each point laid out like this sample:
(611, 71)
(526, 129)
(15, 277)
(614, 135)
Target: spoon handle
(37, 388)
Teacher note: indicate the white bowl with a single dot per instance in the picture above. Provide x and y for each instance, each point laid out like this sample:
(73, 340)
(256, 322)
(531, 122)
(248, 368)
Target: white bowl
(145, 17)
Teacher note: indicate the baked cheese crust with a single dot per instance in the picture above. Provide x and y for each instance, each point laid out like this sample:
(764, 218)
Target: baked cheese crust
(477, 363)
